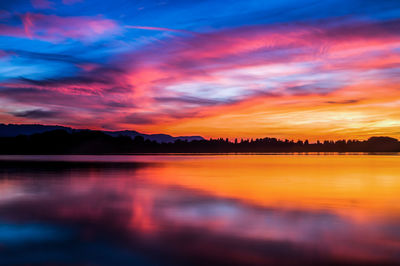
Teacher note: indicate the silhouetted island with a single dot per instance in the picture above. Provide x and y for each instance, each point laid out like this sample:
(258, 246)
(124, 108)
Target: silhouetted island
(96, 142)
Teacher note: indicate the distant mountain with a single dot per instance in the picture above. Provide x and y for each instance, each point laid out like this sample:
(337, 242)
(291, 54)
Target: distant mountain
(13, 130)
(154, 137)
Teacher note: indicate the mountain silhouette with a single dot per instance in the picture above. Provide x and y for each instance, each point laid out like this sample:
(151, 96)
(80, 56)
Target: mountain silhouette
(13, 130)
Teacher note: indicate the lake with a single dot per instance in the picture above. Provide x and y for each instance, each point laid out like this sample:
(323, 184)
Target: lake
(282, 209)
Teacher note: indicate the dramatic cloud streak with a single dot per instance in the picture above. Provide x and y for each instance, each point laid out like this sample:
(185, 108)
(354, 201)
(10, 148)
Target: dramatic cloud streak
(156, 29)
(314, 75)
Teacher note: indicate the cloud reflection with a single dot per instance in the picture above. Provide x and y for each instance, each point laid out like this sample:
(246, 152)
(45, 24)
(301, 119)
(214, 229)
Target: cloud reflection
(127, 211)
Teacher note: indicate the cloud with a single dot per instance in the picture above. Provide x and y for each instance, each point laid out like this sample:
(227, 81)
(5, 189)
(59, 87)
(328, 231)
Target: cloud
(3, 54)
(343, 101)
(57, 57)
(104, 79)
(10, 30)
(57, 28)
(139, 119)
(307, 89)
(67, 81)
(157, 29)
(36, 113)
(78, 101)
(178, 77)
(205, 57)
(189, 100)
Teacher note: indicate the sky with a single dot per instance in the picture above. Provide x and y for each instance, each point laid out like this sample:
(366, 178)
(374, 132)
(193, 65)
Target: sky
(247, 69)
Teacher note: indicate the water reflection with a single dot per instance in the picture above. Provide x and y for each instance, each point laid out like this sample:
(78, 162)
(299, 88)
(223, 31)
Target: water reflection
(168, 210)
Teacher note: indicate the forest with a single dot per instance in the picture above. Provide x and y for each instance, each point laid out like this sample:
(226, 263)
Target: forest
(96, 142)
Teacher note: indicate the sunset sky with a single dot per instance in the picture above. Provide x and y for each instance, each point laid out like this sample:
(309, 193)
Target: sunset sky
(247, 69)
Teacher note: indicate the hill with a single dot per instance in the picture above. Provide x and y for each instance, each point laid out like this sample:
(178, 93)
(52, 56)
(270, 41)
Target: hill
(13, 130)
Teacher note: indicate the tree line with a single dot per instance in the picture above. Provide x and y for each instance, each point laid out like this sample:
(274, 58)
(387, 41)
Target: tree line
(96, 142)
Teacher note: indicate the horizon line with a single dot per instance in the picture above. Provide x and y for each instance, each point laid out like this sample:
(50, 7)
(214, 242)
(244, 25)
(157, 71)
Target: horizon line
(315, 140)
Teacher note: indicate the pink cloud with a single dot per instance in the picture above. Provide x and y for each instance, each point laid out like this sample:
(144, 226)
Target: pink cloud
(262, 45)
(158, 84)
(157, 29)
(217, 60)
(3, 54)
(88, 66)
(56, 28)
(27, 20)
(14, 31)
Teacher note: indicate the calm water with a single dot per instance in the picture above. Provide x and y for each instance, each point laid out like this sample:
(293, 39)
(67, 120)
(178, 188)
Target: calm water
(225, 209)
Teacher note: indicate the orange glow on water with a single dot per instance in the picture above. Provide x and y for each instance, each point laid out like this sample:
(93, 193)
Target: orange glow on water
(353, 185)
(340, 208)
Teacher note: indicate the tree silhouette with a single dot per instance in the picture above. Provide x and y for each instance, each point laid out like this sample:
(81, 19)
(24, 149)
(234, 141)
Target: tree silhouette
(96, 142)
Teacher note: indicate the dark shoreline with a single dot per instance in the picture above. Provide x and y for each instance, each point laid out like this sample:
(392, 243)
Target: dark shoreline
(95, 142)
